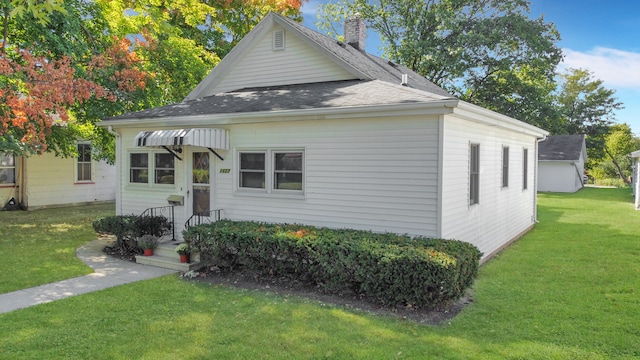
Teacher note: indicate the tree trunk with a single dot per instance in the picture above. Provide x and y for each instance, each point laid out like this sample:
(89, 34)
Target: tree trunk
(615, 162)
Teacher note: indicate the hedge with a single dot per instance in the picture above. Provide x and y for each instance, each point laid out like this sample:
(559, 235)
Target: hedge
(388, 268)
(128, 228)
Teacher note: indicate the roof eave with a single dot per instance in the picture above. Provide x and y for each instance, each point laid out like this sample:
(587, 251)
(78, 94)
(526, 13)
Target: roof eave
(424, 108)
(491, 118)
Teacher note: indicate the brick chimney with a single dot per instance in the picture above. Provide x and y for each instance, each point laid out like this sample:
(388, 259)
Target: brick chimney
(355, 31)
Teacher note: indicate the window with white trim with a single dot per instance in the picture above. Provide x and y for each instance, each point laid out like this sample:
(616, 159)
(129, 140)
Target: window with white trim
(474, 173)
(272, 171)
(505, 166)
(139, 168)
(7, 169)
(164, 168)
(525, 168)
(84, 171)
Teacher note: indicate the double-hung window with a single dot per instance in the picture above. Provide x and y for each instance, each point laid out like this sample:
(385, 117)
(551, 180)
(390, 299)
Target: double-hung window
(474, 174)
(525, 168)
(272, 171)
(505, 166)
(139, 168)
(83, 163)
(7, 169)
(164, 168)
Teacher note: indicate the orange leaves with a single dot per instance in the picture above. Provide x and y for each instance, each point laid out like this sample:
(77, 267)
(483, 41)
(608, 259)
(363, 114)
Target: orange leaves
(37, 93)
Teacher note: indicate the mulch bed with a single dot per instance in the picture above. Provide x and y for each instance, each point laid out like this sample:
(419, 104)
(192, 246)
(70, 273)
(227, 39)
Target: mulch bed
(283, 286)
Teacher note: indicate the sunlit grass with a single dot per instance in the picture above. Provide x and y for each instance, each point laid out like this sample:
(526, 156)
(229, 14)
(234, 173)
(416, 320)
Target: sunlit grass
(39, 247)
(567, 290)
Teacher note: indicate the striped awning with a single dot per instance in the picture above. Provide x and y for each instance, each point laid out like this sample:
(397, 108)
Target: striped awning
(207, 138)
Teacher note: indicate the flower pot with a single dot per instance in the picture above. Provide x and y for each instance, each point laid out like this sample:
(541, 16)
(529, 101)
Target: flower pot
(184, 258)
(148, 252)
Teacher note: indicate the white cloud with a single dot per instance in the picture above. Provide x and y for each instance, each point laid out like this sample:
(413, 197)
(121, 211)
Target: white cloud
(617, 68)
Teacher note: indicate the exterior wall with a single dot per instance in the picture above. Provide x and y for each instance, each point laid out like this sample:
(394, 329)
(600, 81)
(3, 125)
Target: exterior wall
(298, 63)
(559, 176)
(50, 181)
(503, 213)
(373, 174)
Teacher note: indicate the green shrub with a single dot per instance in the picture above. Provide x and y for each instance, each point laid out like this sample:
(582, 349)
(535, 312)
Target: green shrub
(392, 269)
(617, 182)
(128, 228)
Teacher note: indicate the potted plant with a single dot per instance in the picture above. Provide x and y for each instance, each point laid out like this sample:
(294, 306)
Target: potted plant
(148, 243)
(184, 250)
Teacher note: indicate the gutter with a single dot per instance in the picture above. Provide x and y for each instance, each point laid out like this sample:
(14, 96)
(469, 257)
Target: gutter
(118, 169)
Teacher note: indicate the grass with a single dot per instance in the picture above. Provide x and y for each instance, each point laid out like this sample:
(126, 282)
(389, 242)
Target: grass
(567, 290)
(39, 247)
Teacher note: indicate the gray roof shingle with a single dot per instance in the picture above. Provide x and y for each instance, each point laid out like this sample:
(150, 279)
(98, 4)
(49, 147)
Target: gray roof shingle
(561, 148)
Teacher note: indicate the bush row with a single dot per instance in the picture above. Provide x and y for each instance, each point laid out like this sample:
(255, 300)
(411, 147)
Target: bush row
(128, 228)
(389, 268)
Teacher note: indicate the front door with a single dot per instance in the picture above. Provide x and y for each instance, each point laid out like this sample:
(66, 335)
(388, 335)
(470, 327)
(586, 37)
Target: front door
(201, 184)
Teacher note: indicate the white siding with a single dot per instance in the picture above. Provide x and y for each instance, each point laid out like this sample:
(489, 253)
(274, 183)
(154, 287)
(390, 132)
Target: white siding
(298, 63)
(378, 175)
(502, 213)
(50, 181)
(559, 176)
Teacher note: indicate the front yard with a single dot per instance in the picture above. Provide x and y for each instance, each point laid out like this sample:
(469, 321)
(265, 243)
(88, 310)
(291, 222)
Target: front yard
(567, 290)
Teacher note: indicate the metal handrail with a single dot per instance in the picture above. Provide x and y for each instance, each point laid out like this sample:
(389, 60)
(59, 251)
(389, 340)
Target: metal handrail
(163, 211)
(204, 217)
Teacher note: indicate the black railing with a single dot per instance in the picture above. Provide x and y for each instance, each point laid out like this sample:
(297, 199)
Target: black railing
(205, 217)
(166, 212)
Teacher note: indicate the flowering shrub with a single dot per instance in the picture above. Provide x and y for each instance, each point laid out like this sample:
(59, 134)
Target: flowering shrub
(389, 268)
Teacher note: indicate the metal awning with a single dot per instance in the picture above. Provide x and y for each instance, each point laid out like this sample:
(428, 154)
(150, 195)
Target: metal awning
(207, 138)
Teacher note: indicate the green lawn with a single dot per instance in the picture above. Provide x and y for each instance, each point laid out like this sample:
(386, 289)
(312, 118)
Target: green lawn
(39, 247)
(567, 290)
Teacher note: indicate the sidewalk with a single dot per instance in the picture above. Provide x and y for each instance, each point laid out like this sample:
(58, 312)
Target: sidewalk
(109, 272)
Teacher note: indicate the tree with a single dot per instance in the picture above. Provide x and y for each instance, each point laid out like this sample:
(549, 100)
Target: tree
(618, 144)
(587, 107)
(471, 48)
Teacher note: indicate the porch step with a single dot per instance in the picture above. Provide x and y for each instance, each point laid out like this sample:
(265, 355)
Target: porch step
(165, 256)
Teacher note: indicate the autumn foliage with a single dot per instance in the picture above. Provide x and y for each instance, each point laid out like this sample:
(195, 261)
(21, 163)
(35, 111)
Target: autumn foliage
(37, 92)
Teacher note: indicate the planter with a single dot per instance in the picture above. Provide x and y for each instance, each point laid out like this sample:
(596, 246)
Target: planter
(184, 258)
(148, 252)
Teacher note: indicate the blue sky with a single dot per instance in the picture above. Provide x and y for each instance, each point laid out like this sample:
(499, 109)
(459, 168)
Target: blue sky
(602, 36)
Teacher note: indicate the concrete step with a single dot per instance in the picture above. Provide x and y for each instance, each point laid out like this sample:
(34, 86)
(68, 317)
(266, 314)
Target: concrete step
(167, 262)
(167, 250)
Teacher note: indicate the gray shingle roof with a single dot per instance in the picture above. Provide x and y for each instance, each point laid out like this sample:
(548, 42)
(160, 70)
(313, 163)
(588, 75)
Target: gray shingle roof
(381, 86)
(351, 93)
(561, 148)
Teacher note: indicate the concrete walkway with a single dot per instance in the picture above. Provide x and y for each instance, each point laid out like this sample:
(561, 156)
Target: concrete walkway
(109, 272)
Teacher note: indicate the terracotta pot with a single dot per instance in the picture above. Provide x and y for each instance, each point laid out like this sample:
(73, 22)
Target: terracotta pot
(184, 258)
(148, 252)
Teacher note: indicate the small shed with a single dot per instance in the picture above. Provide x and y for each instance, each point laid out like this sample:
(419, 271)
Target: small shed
(561, 160)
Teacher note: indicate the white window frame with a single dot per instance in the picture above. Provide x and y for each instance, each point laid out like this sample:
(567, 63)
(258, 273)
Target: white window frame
(77, 163)
(269, 172)
(156, 168)
(474, 174)
(151, 169)
(505, 166)
(525, 168)
(13, 167)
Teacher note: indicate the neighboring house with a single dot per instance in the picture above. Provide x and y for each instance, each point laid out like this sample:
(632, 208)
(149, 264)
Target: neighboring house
(295, 127)
(40, 181)
(635, 178)
(561, 160)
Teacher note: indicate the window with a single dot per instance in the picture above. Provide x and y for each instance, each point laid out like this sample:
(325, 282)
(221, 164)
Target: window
(271, 171)
(525, 168)
(474, 174)
(252, 170)
(139, 166)
(83, 163)
(505, 166)
(288, 171)
(7, 169)
(164, 168)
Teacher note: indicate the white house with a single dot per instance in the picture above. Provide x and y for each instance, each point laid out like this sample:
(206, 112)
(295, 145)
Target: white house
(561, 160)
(635, 178)
(295, 127)
(41, 181)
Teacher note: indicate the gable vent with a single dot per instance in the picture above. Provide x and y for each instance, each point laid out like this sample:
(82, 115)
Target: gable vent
(278, 40)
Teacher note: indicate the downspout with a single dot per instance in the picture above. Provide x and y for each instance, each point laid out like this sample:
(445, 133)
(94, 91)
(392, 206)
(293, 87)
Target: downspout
(118, 169)
(535, 180)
